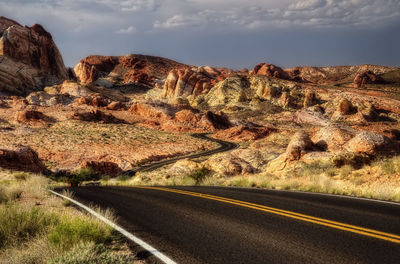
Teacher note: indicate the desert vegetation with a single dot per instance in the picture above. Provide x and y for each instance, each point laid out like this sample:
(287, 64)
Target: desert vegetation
(37, 227)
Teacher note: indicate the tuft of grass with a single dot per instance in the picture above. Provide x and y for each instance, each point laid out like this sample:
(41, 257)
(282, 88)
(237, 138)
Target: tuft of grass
(75, 230)
(91, 253)
(69, 194)
(18, 225)
(20, 176)
(123, 177)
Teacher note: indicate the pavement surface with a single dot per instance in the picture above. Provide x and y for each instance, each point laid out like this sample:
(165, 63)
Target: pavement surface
(240, 225)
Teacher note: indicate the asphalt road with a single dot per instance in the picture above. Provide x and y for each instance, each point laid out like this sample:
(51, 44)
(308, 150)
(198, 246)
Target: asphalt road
(223, 147)
(252, 228)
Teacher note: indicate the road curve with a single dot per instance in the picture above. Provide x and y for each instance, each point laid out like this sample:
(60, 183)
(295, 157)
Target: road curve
(224, 146)
(238, 225)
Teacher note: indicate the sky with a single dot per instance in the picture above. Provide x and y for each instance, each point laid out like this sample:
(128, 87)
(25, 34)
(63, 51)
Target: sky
(229, 33)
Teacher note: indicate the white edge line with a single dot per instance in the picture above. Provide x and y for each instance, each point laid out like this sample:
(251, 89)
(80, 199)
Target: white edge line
(131, 237)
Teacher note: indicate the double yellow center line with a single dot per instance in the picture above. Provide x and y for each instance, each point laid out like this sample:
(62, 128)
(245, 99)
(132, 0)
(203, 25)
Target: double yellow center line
(307, 218)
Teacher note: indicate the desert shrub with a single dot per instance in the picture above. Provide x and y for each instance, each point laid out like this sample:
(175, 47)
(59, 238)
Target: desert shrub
(18, 225)
(80, 175)
(90, 253)
(20, 176)
(123, 177)
(314, 168)
(356, 160)
(105, 178)
(199, 175)
(73, 231)
(345, 171)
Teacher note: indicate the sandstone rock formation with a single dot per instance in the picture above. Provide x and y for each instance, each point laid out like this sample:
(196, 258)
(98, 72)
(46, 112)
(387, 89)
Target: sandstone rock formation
(21, 158)
(366, 77)
(125, 69)
(44, 99)
(186, 82)
(193, 81)
(372, 143)
(244, 133)
(103, 167)
(96, 116)
(333, 138)
(332, 75)
(31, 116)
(29, 58)
(270, 70)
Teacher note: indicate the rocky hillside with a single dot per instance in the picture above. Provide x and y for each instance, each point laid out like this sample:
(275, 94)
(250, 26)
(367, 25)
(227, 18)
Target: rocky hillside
(113, 70)
(29, 58)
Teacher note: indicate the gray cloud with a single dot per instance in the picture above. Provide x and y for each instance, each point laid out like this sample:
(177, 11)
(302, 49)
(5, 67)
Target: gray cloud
(181, 29)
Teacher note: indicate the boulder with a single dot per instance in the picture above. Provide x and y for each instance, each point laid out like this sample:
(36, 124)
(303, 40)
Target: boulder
(74, 89)
(44, 99)
(372, 143)
(333, 138)
(310, 98)
(345, 107)
(299, 144)
(31, 116)
(22, 158)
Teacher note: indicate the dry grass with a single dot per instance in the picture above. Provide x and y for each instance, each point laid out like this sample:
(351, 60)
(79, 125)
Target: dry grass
(36, 227)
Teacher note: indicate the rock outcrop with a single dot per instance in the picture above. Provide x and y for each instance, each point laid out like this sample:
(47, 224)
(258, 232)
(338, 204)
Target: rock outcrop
(96, 116)
(372, 143)
(366, 77)
(102, 167)
(332, 75)
(21, 158)
(244, 133)
(193, 81)
(29, 58)
(31, 116)
(141, 69)
(270, 70)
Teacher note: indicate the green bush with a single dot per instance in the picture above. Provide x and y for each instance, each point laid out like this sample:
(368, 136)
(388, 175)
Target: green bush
(72, 231)
(105, 178)
(90, 253)
(80, 175)
(18, 225)
(199, 175)
(21, 176)
(123, 177)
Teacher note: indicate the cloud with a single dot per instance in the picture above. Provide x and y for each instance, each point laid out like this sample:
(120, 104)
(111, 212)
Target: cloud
(300, 13)
(129, 30)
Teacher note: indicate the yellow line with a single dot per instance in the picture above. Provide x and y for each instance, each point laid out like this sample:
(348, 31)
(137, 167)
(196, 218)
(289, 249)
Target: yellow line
(307, 218)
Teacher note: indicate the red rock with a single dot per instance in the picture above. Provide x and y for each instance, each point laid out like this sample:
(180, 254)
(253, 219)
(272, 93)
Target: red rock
(299, 144)
(366, 77)
(372, 143)
(270, 70)
(33, 46)
(29, 59)
(96, 116)
(27, 116)
(129, 68)
(103, 167)
(115, 106)
(244, 133)
(21, 158)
